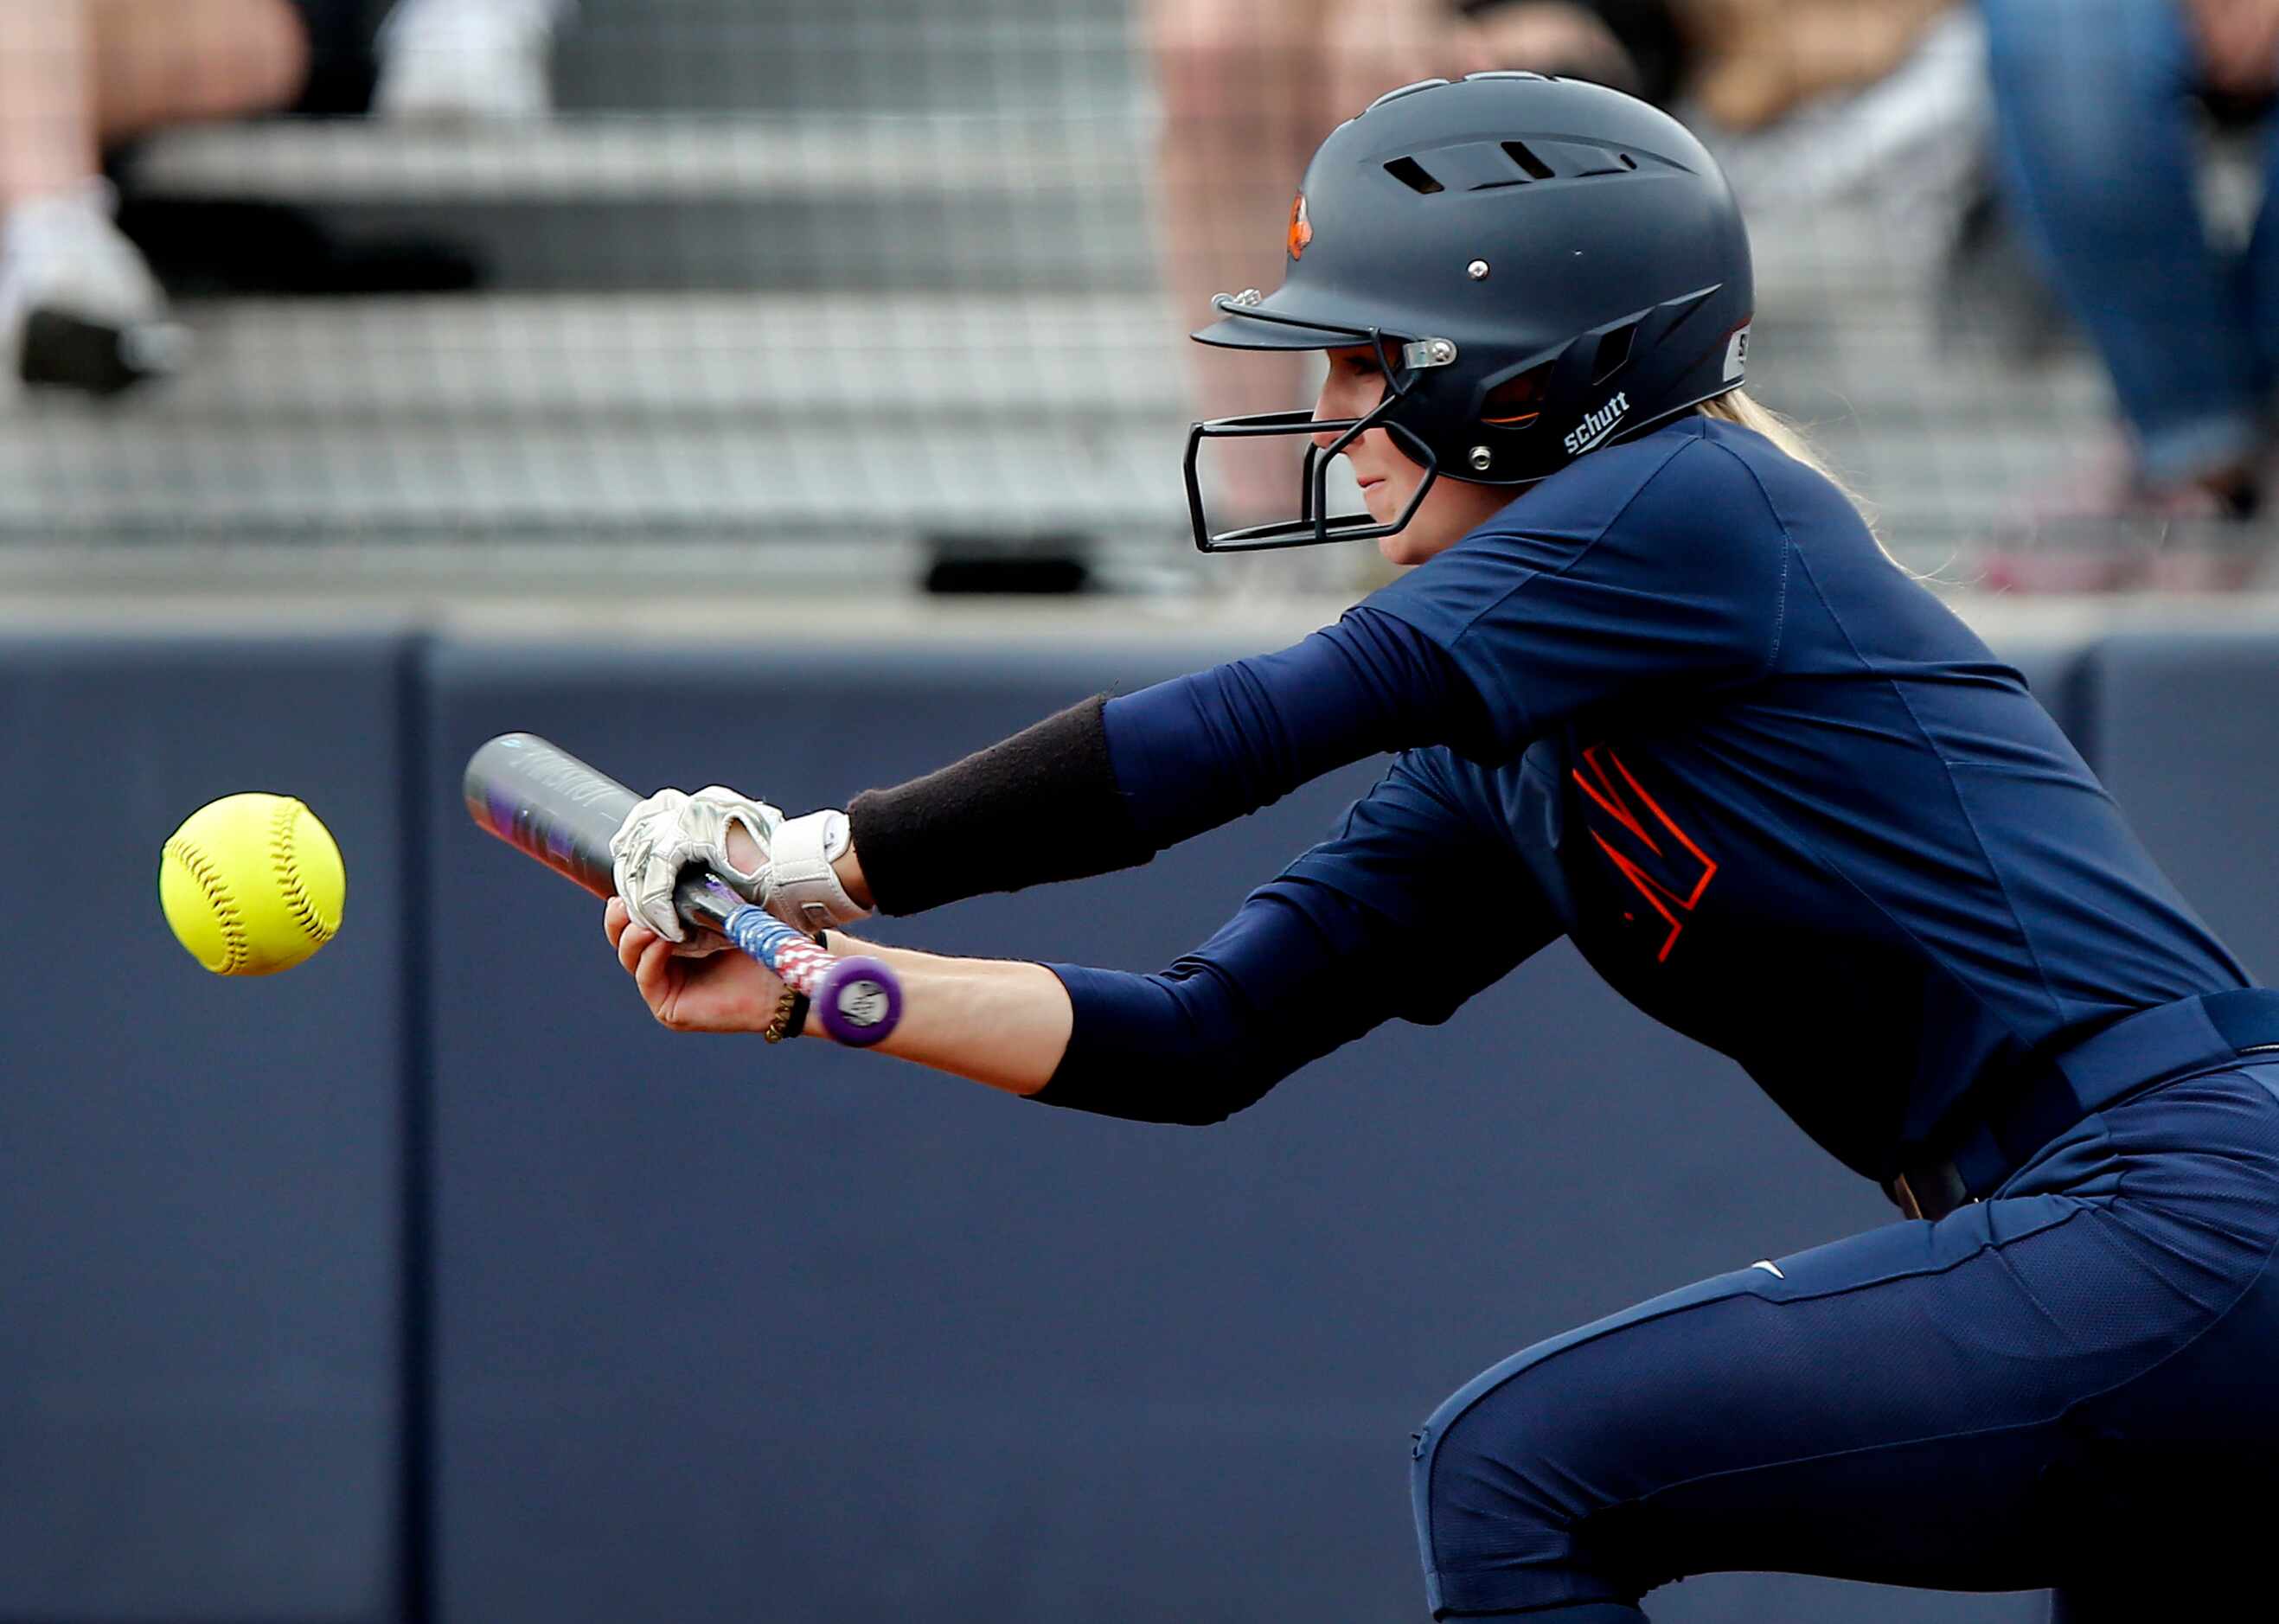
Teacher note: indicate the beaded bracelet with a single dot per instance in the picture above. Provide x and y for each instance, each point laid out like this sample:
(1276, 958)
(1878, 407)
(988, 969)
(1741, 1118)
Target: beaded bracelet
(790, 1018)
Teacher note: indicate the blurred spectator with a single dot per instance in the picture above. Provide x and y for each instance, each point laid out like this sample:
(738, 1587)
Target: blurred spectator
(1250, 87)
(436, 61)
(467, 59)
(414, 62)
(76, 75)
(1896, 125)
(1757, 61)
(79, 304)
(2100, 148)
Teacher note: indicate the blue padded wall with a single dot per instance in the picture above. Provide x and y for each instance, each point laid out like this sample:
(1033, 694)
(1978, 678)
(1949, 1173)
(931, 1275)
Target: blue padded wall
(2187, 732)
(199, 1178)
(727, 1332)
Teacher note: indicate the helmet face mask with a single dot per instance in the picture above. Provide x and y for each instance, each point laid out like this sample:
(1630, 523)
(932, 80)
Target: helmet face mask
(1314, 524)
(1564, 264)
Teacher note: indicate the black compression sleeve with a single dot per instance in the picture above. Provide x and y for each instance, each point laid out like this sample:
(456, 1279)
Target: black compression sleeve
(1106, 784)
(1040, 805)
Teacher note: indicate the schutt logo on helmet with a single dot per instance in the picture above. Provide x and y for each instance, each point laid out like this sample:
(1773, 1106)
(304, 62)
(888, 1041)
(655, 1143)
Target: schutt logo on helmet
(1597, 425)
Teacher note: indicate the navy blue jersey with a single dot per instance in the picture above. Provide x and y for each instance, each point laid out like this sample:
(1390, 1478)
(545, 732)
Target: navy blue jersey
(1674, 703)
(1777, 793)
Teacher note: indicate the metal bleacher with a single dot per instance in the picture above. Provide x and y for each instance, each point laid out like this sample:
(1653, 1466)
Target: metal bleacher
(823, 286)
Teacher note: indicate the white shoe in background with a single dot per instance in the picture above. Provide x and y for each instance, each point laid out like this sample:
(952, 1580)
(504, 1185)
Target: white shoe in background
(464, 61)
(77, 304)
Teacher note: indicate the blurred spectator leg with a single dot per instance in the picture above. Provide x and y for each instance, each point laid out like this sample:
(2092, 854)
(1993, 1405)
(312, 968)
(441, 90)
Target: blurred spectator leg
(1762, 59)
(458, 61)
(47, 123)
(1241, 89)
(59, 256)
(2097, 148)
(78, 305)
(160, 61)
(1551, 36)
(2263, 288)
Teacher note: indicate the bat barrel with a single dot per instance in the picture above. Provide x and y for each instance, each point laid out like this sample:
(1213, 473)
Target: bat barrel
(545, 802)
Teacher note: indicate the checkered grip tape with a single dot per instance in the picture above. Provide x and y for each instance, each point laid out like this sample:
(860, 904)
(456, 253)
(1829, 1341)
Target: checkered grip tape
(799, 961)
(801, 965)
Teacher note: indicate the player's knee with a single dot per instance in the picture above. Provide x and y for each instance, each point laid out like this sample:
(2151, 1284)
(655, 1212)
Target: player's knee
(1476, 1467)
(277, 59)
(1499, 1501)
(224, 59)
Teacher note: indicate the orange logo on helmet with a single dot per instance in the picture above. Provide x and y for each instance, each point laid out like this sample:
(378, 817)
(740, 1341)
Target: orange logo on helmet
(1301, 231)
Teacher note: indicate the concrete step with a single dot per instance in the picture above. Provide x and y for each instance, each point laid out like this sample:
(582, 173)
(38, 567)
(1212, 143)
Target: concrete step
(830, 418)
(106, 484)
(682, 56)
(1011, 356)
(813, 417)
(840, 201)
(1008, 359)
(601, 158)
(599, 202)
(164, 476)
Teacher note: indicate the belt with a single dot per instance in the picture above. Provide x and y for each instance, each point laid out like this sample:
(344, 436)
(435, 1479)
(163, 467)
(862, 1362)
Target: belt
(2195, 1034)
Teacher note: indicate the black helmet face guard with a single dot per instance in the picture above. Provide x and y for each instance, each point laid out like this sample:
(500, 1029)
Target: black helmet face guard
(1315, 523)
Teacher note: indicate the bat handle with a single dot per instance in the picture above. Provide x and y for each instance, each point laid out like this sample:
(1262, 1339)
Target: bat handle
(857, 998)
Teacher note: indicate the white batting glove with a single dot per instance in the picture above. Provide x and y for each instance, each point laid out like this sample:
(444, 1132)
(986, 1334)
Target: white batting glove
(670, 831)
(802, 888)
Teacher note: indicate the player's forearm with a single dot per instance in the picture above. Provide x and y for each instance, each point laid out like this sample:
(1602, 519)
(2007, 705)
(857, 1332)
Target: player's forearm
(1040, 805)
(1201, 751)
(998, 1022)
(849, 868)
(1108, 784)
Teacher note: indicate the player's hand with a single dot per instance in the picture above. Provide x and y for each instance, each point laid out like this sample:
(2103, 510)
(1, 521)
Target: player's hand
(726, 993)
(670, 831)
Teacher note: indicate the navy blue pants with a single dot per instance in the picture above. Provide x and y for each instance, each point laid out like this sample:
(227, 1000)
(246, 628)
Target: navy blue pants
(2072, 1385)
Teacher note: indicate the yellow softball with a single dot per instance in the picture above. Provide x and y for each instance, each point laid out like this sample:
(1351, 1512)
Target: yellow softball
(252, 884)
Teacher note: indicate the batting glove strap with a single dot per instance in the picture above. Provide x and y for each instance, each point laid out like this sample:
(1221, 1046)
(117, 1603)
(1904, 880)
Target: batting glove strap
(668, 832)
(802, 888)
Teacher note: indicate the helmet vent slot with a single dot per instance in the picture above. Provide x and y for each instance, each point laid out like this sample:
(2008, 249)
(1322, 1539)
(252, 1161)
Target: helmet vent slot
(1520, 153)
(1413, 175)
(1613, 352)
(1516, 402)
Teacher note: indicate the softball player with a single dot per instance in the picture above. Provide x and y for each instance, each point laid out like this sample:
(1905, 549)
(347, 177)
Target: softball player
(1653, 686)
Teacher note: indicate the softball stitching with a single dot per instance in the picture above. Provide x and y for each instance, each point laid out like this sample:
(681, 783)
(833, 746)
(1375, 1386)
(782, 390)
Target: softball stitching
(288, 868)
(199, 868)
